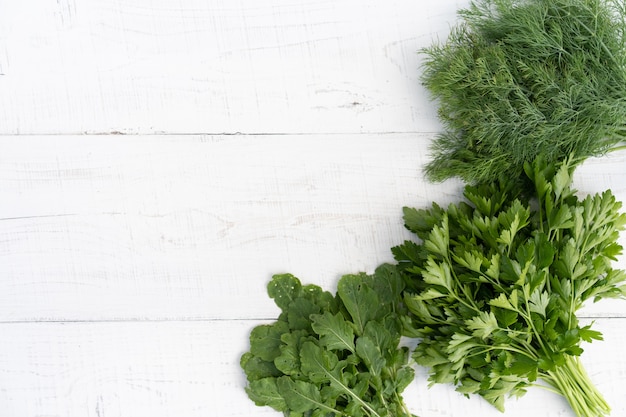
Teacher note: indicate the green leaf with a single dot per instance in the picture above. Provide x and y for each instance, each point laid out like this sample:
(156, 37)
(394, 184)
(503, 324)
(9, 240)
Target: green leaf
(265, 340)
(544, 250)
(498, 391)
(503, 302)
(360, 300)
(438, 239)
(493, 271)
(301, 396)
(483, 325)
(438, 274)
(388, 285)
(424, 311)
(568, 339)
(309, 363)
(459, 347)
(265, 392)
(403, 378)
(334, 331)
(370, 352)
(284, 288)
(561, 219)
(589, 335)
(420, 221)
(354, 408)
(473, 260)
(538, 302)
(482, 201)
(429, 294)
(323, 366)
(319, 364)
(408, 253)
(561, 181)
(539, 280)
(468, 386)
(507, 235)
(505, 317)
(322, 299)
(256, 368)
(299, 313)
(494, 299)
(523, 366)
(288, 362)
(431, 354)
(510, 270)
(385, 334)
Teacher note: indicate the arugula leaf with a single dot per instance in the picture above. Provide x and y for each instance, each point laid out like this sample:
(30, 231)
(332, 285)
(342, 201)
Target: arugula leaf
(372, 356)
(265, 340)
(359, 299)
(265, 392)
(284, 289)
(301, 396)
(331, 355)
(334, 331)
(257, 368)
(288, 362)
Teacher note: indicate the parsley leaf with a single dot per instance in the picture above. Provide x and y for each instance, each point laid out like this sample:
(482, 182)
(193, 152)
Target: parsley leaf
(493, 290)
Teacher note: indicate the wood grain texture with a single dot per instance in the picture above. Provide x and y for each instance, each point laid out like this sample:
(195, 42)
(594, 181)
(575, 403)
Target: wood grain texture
(191, 369)
(213, 66)
(106, 228)
(194, 227)
(160, 160)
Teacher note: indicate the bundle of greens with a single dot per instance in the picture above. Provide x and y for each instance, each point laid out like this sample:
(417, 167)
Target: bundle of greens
(331, 355)
(520, 78)
(494, 286)
(528, 89)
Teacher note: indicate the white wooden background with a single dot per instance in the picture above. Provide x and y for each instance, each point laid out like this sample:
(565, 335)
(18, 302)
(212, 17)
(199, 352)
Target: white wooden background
(161, 159)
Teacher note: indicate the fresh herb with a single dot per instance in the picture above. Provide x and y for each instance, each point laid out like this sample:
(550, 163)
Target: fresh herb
(520, 78)
(527, 89)
(332, 355)
(494, 286)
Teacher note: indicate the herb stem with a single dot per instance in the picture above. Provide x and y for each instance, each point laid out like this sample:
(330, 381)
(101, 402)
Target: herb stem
(618, 148)
(471, 304)
(404, 409)
(528, 317)
(573, 383)
(529, 353)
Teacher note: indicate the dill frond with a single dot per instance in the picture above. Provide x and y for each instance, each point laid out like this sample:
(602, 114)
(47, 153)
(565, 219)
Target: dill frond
(521, 78)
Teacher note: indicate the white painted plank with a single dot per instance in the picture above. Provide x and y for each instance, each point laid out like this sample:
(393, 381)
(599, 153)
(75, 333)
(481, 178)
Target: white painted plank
(170, 227)
(212, 66)
(191, 369)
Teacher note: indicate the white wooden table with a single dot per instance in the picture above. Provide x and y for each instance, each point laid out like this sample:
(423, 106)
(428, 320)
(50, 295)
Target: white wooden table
(160, 160)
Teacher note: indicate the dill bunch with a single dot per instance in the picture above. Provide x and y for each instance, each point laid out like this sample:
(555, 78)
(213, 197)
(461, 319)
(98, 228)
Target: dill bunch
(521, 78)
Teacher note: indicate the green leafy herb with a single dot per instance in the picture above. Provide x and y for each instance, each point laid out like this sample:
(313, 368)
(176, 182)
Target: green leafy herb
(494, 287)
(520, 78)
(331, 355)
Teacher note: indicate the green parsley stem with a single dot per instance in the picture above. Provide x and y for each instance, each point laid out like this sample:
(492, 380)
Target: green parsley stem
(572, 382)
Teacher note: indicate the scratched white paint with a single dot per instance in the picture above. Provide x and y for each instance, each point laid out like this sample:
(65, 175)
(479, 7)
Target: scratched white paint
(265, 136)
(197, 66)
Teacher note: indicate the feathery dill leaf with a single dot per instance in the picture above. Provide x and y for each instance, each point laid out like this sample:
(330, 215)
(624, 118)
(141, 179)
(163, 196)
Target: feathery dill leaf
(519, 78)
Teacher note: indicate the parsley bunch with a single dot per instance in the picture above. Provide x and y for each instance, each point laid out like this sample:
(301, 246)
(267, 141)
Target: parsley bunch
(494, 286)
(521, 78)
(331, 355)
